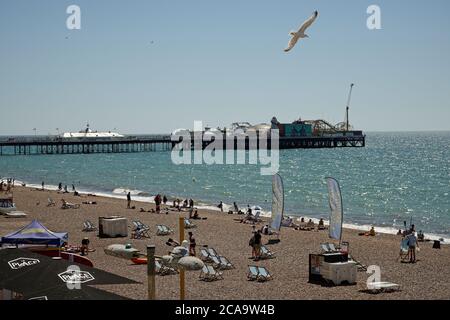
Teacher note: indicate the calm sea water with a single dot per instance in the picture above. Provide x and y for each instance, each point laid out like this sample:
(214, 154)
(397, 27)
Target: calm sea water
(396, 177)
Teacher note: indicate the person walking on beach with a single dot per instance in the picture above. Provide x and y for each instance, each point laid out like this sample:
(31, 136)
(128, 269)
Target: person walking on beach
(412, 244)
(60, 186)
(257, 245)
(43, 185)
(191, 203)
(158, 203)
(164, 199)
(236, 208)
(220, 206)
(128, 200)
(192, 244)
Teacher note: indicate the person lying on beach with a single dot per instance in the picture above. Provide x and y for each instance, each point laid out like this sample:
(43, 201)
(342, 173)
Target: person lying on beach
(89, 202)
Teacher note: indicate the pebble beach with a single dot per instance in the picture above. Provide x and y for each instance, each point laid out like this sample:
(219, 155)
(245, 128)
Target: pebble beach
(426, 279)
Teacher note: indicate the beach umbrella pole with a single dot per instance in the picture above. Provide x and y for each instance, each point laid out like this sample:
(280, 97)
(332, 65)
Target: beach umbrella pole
(182, 274)
(151, 272)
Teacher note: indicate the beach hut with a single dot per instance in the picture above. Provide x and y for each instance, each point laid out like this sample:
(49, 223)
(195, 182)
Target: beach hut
(35, 234)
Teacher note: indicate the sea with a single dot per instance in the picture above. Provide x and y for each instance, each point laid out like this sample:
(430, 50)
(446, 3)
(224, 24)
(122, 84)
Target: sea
(397, 177)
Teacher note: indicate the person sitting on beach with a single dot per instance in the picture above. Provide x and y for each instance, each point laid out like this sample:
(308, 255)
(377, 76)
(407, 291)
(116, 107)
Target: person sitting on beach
(321, 224)
(372, 232)
(420, 236)
(400, 232)
(141, 210)
(310, 224)
(196, 216)
(84, 246)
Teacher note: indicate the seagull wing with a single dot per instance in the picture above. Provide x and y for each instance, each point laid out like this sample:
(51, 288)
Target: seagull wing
(292, 42)
(308, 23)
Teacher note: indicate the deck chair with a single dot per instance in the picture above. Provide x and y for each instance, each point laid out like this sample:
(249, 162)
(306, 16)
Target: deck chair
(225, 263)
(163, 230)
(50, 202)
(361, 267)
(216, 262)
(164, 270)
(204, 255)
(258, 273)
(88, 226)
(208, 273)
(212, 252)
(328, 247)
(404, 250)
(265, 253)
(140, 230)
(252, 273)
(188, 224)
(264, 274)
(378, 287)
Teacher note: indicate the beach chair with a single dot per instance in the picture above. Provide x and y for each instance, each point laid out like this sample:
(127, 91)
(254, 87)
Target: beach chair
(258, 273)
(225, 263)
(50, 202)
(361, 267)
(163, 270)
(212, 252)
(216, 262)
(265, 253)
(188, 224)
(378, 287)
(139, 230)
(88, 226)
(328, 247)
(264, 274)
(163, 230)
(204, 255)
(404, 250)
(208, 273)
(253, 273)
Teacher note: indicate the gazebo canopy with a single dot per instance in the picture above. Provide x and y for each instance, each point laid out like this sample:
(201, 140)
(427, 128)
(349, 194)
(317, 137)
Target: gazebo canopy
(35, 233)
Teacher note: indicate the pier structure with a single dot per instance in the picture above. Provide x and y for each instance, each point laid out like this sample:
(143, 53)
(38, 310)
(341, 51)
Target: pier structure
(56, 145)
(47, 145)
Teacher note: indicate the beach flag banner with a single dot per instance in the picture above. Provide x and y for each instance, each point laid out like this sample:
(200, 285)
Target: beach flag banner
(277, 202)
(336, 213)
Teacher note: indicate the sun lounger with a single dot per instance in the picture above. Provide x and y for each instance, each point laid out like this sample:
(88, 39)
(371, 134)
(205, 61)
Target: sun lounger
(258, 273)
(208, 273)
(265, 253)
(163, 230)
(89, 226)
(188, 224)
(376, 287)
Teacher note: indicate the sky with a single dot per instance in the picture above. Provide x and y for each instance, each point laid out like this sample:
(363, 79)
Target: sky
(153, 66)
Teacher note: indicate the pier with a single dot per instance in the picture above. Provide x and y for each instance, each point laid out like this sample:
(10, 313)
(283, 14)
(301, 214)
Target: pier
(47, 145)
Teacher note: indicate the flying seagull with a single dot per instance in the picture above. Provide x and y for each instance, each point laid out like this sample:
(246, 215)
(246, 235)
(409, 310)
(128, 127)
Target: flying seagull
(301, 32)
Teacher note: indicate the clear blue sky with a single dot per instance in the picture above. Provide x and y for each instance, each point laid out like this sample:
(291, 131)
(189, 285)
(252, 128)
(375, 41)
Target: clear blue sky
(221, 62)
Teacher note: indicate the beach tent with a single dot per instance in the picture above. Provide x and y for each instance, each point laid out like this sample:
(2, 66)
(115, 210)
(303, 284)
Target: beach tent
(34, 275)
(35, 233)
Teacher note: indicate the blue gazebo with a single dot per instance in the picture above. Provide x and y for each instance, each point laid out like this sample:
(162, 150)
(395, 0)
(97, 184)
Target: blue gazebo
(36, 234)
